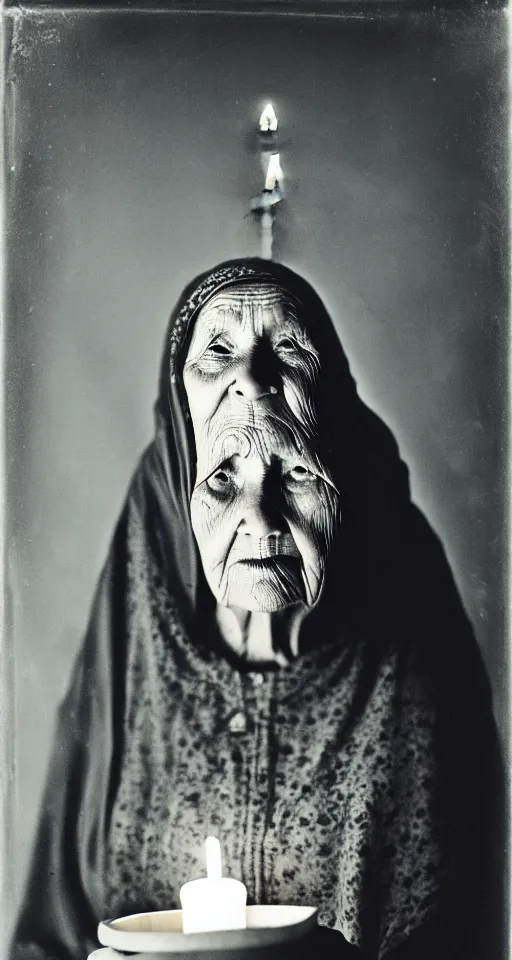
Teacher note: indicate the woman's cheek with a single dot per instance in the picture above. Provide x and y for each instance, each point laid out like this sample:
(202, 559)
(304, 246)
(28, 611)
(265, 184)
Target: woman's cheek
(204, 389)
(214, 524)
(202, 516)
(325, 522)
(299, 393)
(308, 540)
(314, 517)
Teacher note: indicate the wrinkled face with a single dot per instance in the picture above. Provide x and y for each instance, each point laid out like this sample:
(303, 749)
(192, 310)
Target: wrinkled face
(264, 509)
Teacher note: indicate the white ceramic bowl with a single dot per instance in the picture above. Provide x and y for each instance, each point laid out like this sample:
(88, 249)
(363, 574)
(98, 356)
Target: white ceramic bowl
(161, 932)
(104, 953)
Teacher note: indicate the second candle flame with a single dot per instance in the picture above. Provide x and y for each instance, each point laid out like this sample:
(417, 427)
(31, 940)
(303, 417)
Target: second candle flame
(268, 120)
(274, 173)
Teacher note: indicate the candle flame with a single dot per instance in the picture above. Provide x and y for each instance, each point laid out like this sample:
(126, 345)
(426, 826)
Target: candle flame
(274, 173)
(213, 858)
(268, 120)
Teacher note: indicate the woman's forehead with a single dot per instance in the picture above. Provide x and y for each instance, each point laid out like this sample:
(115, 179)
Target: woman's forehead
(255, 305)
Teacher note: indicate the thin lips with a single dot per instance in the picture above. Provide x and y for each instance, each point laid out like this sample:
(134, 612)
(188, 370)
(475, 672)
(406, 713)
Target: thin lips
(247, 547)
(266, 563)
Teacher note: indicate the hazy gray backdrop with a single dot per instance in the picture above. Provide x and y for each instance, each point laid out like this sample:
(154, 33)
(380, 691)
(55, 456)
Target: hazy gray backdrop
(131, 162)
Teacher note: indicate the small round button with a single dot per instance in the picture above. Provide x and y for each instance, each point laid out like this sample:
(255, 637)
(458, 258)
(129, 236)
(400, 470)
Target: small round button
(237, 723)
(257, 679)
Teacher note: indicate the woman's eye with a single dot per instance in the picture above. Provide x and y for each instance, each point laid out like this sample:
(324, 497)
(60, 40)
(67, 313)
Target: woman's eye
(287, 345)
(299, 475)
(218, 349)
(220, 482)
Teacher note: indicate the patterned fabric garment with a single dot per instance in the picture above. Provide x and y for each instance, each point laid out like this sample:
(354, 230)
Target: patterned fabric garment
(360, 778)
(264, 762)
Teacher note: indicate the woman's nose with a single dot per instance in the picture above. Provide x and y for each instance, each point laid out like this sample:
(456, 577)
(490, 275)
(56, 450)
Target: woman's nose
(257, 524)
(249, 388)
(261, 515)
(255, 376)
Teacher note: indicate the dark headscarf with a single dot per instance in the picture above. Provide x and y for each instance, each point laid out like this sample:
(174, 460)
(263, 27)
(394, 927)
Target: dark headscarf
(355, 445)
(388, 600)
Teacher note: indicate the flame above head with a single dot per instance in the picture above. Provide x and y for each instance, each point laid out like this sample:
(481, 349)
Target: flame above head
(268, 119)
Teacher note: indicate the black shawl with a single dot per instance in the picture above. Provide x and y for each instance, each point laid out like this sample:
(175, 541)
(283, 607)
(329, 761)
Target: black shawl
(409, 771)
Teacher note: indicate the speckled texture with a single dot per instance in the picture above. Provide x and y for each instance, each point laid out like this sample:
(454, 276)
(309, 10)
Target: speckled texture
(330, 776)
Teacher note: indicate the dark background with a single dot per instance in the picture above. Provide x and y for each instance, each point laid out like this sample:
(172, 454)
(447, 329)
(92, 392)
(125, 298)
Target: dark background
(130, 162)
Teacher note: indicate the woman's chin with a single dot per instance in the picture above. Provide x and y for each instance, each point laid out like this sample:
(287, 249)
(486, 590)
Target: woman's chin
(265, 586)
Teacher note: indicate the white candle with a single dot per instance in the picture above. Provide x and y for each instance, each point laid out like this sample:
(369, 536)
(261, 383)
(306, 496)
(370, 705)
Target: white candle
(274, 172)
(214, 902)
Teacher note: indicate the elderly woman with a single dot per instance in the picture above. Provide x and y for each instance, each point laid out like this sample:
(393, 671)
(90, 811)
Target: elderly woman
(277, 655)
